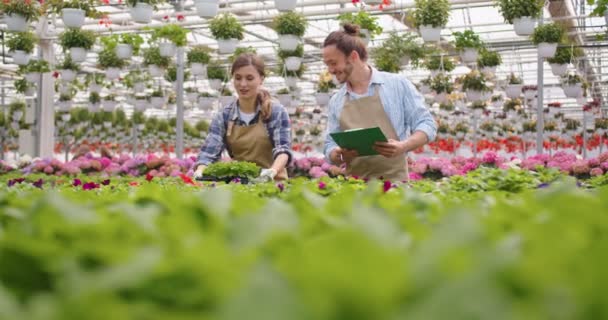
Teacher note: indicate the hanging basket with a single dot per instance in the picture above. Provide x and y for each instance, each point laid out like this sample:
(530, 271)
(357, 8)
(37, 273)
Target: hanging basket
(404, 61)
(167, 49)
(293, 63)
(112, 73)
(68, 75)
(78, 54)
(285, 5)
(215, 84)
(488, 70)
(524, 26)
(547, 50)
(157, 102)
(207, 8)
(73, 18)
(469, 55)
(205, 103)
(322, 98)
(155, 71)
(573, 91)
(227, 46)
(225, 100)
(288, 42)
(192, 97)
(20, 57)
(513, 91)
(124, 51)
(15, 22)
(109, 105)
(142, 12)
(32, 77)
(530, 94)
(139, 87)
(474, 95)
(198, 69)
(94, 87)
(430, 33)
(441, 97)
(559, 69)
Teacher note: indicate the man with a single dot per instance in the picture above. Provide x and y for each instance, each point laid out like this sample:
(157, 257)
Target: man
(372, 98)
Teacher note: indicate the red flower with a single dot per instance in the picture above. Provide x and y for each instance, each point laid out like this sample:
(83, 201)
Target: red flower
(55, 74)
(387, 185)
(166, 18)
(134, 183)
(186, 179)
(149, 177)
(180, 17)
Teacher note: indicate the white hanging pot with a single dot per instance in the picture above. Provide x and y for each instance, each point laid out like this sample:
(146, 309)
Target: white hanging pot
(198, 69)
(112, 73)
(192, 97)
(530, 94)
(139, 87)
(405, 60)
(73, 18)
(78, 54)
(559, 69)
(293, 63)
(488, 70)
(215, 84)
(573, 91)
(15, 22)
(107, 124)
(66, 117)
(142, 12)
(167, 49)
(155, 71)
(20, 57)
(227, 46)
(94, 87)
(32, 77)
(285, 5)
(64, 105)
(68, 75)
(474, 95)
(547, 50)
(288, 42)
(524, 26)
(430, 33)
(157, 102)
(140, 104)
(477, 112)
(581, 100)
(30, 91)
(141, 127)
(513, 91)
(284, 99)
(206, 8)
(365, 36)
(322, 98)
(109, 105)
(469, 55)
(93, 107)
(205, 103)
(497, 104)
(424, 89)
(225, 100)
(606, 16)
(291, 82)
(124, 51)
(441, 97)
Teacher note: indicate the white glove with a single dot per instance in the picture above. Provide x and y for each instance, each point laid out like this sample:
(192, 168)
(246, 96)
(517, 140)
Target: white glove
(267, 175)
(198, 173)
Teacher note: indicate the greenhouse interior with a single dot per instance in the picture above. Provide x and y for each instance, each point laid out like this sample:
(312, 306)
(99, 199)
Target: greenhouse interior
(303, 159)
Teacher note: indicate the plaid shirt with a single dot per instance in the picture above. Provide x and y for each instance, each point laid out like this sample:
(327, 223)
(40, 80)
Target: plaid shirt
(279, 130)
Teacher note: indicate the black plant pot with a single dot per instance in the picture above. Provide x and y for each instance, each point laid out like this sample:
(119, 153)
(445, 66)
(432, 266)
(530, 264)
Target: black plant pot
(242, 180)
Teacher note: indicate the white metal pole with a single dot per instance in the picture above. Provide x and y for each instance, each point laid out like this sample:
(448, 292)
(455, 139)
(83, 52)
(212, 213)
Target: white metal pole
(179, 148)
(540, 126)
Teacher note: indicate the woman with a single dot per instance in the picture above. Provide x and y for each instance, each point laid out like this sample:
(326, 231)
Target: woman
(252, 128)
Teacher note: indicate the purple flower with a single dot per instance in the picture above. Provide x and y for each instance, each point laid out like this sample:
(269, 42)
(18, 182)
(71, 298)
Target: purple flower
(11, 183)
(90, 186)
(106, 182)
(387, 185)
(76, 182)
(542, 185)
(38, 184)
(281, 186)
(322, 185)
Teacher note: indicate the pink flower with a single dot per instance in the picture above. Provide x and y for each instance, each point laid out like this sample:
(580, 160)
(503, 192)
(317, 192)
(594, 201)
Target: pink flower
(596, 172)
(387, 185)
(580, 167)
(317, 172)
(415, 176)
(76, 182)
(322, 185)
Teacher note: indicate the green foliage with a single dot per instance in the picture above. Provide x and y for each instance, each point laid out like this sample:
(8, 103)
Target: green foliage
(77, 38)
(512, 9)
(107, 58)
(364, 20)
(442, 83)
(479, 105)
(21, 85)
(152, 57)
(572, 78)
(132, 39)
(216, 71)
(474, 80)
(241, 50)
(233, 169)
(202, 126)
(433, 13)
(171, 32)
(39, 66)
(153, 3)
(435, 62)
(23, 41)
(226, 26)
(565, 55)
(290, 23)
(488, 58)
(28, 9)
(226, 92)
(513, 79)
(388, 56)
(94, 98)
(136, 76)
(600, 9)
(299, 52)
(199, 54)
(68, 64)
(325, 82)
(385, 60)
(467, 39)
(550, 33)
(171, 74)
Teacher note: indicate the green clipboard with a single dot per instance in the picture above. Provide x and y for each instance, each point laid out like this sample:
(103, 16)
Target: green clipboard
(361, 140)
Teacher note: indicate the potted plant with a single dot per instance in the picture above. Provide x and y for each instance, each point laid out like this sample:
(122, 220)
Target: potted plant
(94, 98)
(78, 42)
(198, 57)
(468, 44)
(68, 69)
(324, 84)
(478, 107)
(430, 16)
(157, 98)
(284, 97)
(94, 81)
(572, 85)
(171, 74)
(174, 36)
(369, 25)
(439, 63)
(18, 13)
(497, 101)
(474, 84)
(529, 91)
(226, 96)
(488, 61)
(205, 100)
(442, 85)
(546, 37)
(514, 86)
(292, 59)
(233, 171)
(227, 30)
(20, 46)
(34, 68)
(109, 61)
(241, 50)
(404, 48)
(386, 60)
(461, 129)
(285, 5)
(290, 26)
(563, 56)
(216, 75)
(73, 12)
(142, 10)
(522, 14)
(206, 8)
(425, 85)
(127, 44)
(155, 62)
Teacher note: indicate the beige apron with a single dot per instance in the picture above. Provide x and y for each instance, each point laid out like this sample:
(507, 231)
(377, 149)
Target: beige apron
(369, 112)
(252, 143)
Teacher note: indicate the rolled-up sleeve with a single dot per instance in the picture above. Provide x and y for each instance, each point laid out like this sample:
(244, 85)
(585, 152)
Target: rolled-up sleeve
(281, 132)
(214, 143)
(417, 116)
(333, 125)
